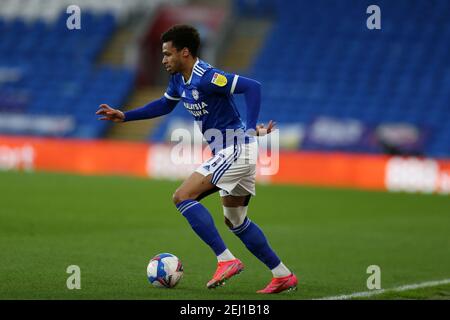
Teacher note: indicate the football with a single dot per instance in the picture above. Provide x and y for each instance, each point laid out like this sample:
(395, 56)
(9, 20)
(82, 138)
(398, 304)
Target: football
(164, 270)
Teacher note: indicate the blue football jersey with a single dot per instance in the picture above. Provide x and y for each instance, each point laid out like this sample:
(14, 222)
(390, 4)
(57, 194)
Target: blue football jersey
(208, 97)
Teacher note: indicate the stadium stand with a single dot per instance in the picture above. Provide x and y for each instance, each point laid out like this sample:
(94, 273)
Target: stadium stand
(50, 73)
(400, 73)
(314, 65)
(332, 85)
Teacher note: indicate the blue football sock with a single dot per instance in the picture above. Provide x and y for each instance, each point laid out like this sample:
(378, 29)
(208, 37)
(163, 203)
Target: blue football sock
(203, 224)
(255, 241)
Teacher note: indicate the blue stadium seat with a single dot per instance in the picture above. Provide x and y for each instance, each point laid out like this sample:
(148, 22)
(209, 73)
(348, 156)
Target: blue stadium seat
(328, 66)
(58, 79)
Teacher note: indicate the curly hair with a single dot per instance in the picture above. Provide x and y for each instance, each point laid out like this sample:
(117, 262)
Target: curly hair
(183, 36)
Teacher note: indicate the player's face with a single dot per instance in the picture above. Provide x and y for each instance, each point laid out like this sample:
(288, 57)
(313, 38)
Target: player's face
(172, 58)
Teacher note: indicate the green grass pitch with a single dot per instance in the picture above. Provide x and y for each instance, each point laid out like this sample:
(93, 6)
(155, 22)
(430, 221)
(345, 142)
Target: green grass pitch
(111, 226)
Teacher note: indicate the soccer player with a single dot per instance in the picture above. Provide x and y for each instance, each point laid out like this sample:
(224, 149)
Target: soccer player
(207, 93)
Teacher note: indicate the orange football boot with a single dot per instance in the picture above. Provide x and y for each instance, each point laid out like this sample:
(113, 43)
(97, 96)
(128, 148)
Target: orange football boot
(278, 285)
(225, 270)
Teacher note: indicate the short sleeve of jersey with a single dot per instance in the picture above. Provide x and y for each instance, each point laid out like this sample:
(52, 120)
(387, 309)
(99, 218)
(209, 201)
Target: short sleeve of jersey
(172, 90)
(217, 81)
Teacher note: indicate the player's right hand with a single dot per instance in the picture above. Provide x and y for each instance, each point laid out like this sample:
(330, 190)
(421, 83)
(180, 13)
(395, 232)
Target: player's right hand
(109, 113)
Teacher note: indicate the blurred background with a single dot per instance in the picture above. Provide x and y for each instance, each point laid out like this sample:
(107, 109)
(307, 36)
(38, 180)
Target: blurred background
(330, 83)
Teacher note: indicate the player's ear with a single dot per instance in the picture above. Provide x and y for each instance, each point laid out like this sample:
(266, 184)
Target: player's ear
(185, 52)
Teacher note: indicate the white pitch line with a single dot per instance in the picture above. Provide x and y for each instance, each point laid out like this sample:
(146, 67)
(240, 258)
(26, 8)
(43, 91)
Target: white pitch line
(380, 291)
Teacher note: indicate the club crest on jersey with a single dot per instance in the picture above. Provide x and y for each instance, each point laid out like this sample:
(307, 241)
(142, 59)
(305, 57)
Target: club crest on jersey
(219, 80)
(195, 94)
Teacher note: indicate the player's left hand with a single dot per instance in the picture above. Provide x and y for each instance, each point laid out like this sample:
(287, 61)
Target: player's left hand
(261, 130)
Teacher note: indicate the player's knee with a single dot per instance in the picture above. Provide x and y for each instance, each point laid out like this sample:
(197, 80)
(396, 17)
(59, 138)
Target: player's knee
(234, 216)
(176, 198)
(180, 196)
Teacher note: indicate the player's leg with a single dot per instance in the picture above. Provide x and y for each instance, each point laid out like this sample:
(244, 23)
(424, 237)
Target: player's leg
(186, 199)
(212, 171)
(235, 212)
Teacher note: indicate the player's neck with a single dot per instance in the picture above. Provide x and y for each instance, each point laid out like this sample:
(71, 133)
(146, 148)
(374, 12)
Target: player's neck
(187, 71)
